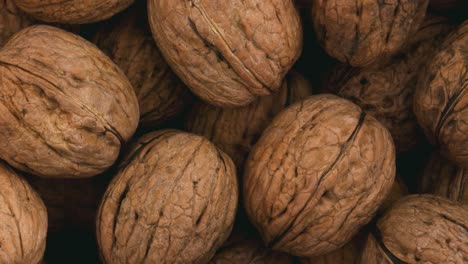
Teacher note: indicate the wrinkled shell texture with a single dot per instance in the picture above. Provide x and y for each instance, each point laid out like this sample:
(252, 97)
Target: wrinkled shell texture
(235, 130)
(443, 178)
(318, 173)
(65, 107)
(420, 229)
(23, 220)
(365, 31)
(72, 11)
(441, 99)
(386, 91)
(173, 201)
(12, 20)
(228, 52)
(129, 43)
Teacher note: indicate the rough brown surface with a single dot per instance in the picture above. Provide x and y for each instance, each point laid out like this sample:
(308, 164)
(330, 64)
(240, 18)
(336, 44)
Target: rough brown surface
(441, 98)
(12, 20)
(23, 220)
(386, 90)
(228, 52)
(397, 192)
(362, 32)
(65, 107)
(420, 229)
(443, 178)
(318, 173)
(236, 130)
(73, 11)
(173, 201)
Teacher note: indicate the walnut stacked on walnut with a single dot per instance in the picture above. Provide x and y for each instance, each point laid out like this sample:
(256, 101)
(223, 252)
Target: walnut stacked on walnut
(23, 220)
(173, 201)
(66, 109)
(12, 20)
(228, 52)
(318, 173)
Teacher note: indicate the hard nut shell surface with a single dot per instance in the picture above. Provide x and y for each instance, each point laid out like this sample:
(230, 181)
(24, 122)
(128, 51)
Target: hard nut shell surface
(12, 20)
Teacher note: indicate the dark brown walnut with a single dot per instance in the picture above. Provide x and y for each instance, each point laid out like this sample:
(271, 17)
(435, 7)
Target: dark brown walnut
(23, 220)
(447, 5)
(441, 98)
(398, 191)
(12, 20)
(236, 130)
(228, 52)
(72, 11)
(317, 175)
(420, 229)
(129, 43)
(443, 178)
(174, 200)
(66, 109)
(386, 90)
(363, 32)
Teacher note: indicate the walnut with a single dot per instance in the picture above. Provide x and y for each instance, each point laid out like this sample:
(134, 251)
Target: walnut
(420, 229)
(12, 20)
(386, 91)
(398, 190)
(363, 32)
(443, 178)
(447, 5)
(441, 98)
(72, 11)
(318, 173)
(235, 130)
(173, 201)
(129, 43)
(228, 52)
(66, 109)
(23, 220)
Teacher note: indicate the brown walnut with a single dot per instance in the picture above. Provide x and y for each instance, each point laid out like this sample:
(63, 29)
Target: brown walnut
(65, 107)
(363, 32)
(397, 192)
(23, 220)
(173, 201)
(228, 52)
(318, 174)
(12, 20)
(441, 98)
(420, 229)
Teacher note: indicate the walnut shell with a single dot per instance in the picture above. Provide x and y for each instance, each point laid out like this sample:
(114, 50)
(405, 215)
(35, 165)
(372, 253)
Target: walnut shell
(65, 107)
(173, 201)
(318, 173)
(443, 178)
(228, 52)
(420, 229)
(12, 20)
(441, 98)
(23, 220)
(398, 191)
(73, 11)
(235, 130)
(363, 32)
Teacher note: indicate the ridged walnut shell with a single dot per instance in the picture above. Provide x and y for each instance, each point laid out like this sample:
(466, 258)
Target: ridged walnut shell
(12, 20)
(228, 52)
(23, 220)
(441, 98)
(318, 174)
(420, 229)
(235, 130)
(363, 32)
(129, 43)
(173, 201)
(72, 11)
(65, 107)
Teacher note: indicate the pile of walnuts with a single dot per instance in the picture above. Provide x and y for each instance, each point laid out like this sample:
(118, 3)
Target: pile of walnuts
(240, 131)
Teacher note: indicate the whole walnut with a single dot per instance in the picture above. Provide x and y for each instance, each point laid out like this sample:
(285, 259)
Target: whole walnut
(363, 32)
(235, 130)
(441, 98)
(23, 220)
(386, 90)
(12, 20)
(228, 52)
(173, 201)
(73, 11)
(317, 175)
(420, 229)
(129, 43)
(443, 178)
(66, 109)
